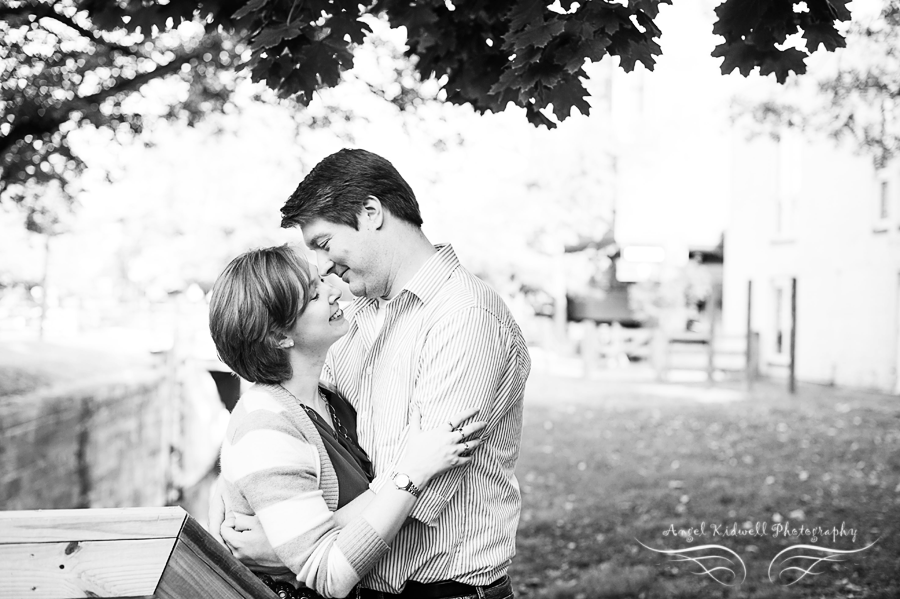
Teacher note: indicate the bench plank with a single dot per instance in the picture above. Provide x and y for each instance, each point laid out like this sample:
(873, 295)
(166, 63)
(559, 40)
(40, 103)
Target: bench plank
(120, 568)
(53, 526)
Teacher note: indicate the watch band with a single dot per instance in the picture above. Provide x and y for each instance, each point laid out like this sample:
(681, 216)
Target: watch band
(404, 483)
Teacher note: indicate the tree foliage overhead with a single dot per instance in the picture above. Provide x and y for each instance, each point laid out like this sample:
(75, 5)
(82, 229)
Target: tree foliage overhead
(70, 63)
(857, 98)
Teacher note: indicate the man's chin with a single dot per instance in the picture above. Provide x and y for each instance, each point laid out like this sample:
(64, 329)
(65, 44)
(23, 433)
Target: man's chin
(357, 288)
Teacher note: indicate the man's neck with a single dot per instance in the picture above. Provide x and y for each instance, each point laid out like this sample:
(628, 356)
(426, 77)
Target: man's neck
(412, 252)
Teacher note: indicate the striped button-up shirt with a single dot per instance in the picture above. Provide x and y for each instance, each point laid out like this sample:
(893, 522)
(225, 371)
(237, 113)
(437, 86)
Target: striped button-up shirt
(448, 342)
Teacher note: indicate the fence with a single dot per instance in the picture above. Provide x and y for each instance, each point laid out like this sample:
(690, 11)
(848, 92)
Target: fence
(728, 355)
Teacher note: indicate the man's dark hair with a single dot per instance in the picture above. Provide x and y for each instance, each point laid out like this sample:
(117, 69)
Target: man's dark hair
(255, 301)
(336, 188)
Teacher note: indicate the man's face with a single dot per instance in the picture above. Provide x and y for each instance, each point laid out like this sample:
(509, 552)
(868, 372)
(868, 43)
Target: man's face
(350, 254)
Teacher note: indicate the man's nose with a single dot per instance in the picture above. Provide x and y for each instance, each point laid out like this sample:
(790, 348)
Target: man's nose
(325, 265)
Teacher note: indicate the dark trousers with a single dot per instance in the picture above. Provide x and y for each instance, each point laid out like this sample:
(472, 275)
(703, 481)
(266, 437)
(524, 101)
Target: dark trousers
(500, 589)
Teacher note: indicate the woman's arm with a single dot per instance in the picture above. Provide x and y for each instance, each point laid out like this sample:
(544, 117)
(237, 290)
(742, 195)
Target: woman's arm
(276, 473)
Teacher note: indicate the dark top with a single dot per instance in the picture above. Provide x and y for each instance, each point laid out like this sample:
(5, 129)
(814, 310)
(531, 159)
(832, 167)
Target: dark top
(351, 463)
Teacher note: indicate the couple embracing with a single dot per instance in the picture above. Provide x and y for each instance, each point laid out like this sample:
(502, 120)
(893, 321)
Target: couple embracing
(374, 455)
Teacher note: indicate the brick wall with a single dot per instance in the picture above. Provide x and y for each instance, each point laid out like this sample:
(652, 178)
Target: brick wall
(100, 443)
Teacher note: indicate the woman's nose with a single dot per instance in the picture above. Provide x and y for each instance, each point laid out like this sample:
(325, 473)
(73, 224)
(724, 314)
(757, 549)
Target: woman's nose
(334, 294)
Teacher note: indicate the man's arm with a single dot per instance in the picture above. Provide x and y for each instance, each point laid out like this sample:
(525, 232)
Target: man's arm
(462, 365)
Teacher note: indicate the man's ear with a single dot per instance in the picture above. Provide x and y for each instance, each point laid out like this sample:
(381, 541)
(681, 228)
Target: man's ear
(372, 213)
(286, 343)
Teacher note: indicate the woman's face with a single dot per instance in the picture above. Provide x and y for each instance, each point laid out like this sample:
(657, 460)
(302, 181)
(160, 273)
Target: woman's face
(323, 322)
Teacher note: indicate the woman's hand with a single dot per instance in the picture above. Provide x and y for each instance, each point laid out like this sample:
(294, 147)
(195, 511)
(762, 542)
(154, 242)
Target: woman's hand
(429, 453)
(245, 537)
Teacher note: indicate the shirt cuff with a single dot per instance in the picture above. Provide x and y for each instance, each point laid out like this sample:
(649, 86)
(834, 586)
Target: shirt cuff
(382, 479)
(429, 507)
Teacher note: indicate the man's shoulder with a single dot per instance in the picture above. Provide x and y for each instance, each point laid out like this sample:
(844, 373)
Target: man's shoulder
(464, 290)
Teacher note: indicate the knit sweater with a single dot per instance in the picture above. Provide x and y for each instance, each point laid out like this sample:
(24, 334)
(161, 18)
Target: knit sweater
(275, 465)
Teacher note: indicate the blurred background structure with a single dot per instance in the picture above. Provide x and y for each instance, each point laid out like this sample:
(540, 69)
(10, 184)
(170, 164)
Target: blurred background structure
(694, 227)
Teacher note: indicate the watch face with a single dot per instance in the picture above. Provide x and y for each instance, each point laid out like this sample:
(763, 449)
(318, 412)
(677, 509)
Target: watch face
(401, 480)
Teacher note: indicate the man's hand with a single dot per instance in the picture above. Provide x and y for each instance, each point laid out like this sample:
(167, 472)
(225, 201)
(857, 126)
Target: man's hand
(244, 536)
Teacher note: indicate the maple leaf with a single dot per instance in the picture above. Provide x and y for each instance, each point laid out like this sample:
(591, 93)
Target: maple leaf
(650, 7)
(524, 13)
(273, 36)
(345, 25)
(566, 95)
(824, 34)
(251, 7)
(782, 62)
(537, 118)
(839, 9)
(738, 17)
(538, 36)
(736, 55)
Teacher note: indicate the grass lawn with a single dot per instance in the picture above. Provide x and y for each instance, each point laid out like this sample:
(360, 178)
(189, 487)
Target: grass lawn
(607, 465)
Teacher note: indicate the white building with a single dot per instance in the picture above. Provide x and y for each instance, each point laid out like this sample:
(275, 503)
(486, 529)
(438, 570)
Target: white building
(827, 217)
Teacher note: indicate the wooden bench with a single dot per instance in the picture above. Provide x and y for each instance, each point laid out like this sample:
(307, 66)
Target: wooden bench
(125, 552)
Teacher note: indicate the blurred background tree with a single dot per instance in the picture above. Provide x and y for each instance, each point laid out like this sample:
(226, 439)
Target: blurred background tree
(854, 99)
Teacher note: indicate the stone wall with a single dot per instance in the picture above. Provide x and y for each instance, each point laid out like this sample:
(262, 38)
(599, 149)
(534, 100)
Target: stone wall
(101, 443)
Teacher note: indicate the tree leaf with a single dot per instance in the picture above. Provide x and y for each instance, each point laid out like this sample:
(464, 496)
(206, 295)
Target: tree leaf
(271, 37)
(737, 55)
(250, 7)
(568, 94)
(782, 63)
(738, 17)
(524, 13)
(538, 36)
(824, 34)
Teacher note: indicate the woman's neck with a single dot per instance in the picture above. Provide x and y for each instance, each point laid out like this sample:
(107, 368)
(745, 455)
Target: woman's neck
(304, 381)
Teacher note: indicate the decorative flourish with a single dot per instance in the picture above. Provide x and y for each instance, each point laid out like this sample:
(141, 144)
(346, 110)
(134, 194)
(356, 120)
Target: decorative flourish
(830, 555)
(711, 572)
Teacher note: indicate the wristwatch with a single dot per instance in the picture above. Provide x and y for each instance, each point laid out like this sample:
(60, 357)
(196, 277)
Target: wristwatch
(402, 482)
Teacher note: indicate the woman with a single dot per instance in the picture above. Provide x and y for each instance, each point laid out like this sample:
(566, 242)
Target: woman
(291, 455)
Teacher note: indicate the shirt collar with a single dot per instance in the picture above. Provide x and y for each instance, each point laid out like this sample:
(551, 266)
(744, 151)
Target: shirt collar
(426, 283)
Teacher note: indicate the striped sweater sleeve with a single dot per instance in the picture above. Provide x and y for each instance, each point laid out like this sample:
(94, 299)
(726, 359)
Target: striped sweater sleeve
(276, 471)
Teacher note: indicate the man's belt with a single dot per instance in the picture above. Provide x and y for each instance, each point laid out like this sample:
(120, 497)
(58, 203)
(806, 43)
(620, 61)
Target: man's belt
(430, 590)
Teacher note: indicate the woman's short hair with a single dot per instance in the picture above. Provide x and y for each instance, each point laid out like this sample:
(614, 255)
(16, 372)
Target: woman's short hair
(254, 303)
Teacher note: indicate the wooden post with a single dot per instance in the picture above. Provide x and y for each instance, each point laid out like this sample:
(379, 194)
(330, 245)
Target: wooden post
(711, 347)
(749, 357)
(792, 376)
(754, 356)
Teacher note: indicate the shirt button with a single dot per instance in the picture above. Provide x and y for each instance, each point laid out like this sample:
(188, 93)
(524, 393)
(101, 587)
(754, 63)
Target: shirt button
(369, 370)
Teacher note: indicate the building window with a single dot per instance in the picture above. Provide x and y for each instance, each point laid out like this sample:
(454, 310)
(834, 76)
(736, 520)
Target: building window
(781, 320)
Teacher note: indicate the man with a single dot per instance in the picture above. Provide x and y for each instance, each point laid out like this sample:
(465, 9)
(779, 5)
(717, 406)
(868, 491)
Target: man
(423, 332)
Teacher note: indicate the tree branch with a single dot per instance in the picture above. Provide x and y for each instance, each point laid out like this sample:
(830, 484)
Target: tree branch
(51, 122)
(94, 37)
